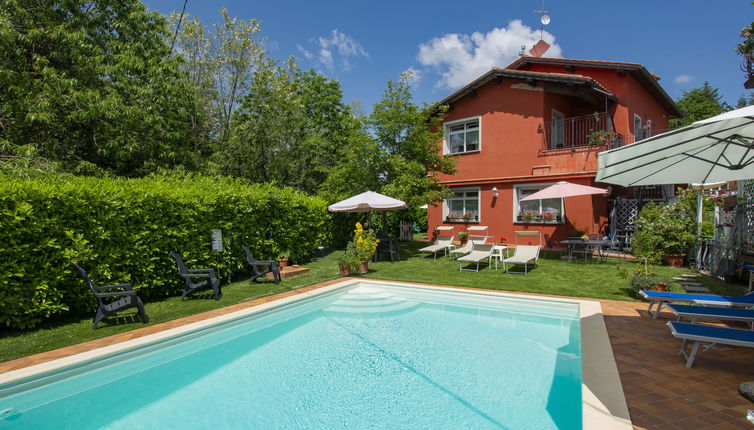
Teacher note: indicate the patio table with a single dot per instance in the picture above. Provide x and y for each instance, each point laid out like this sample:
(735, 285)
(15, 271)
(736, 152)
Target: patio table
(497, 254)
(597, 246)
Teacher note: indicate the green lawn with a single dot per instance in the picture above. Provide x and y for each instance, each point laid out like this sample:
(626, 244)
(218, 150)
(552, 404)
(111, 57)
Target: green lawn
(551, 276)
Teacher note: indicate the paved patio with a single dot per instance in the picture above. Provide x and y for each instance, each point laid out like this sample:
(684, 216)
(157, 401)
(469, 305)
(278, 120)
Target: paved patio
(661, 392)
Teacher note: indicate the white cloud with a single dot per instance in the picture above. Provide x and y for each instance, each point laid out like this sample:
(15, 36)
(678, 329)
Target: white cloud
(683, 79)
(307, 54)
(337, 48)
(460, 58)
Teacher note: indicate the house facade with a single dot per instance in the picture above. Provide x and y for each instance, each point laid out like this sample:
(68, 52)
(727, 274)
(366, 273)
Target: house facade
(538, 121)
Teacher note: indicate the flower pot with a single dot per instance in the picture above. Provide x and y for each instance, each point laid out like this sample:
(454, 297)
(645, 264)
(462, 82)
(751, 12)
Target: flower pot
(282, 263)
(364, 267)
(345, 269)
(675, 260)
(661, 286)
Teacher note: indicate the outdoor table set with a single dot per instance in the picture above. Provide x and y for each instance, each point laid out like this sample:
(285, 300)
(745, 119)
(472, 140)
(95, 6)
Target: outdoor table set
(586, 249)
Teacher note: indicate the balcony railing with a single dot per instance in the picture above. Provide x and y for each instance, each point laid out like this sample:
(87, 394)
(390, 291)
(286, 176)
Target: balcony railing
(582, 131)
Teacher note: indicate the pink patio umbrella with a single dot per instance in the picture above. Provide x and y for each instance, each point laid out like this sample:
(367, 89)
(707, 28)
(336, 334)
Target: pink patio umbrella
(564, 189)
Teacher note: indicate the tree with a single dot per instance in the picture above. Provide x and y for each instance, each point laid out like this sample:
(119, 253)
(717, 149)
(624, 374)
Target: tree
(400, 156)
(220, 64)
(699, 103)
(746, 50)
(91, 84)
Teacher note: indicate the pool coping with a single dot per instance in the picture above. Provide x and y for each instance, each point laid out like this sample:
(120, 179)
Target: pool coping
(603, 399)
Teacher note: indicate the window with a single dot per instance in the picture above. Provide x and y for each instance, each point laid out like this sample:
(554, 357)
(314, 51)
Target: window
(557, 130)
(463, 136)
(638, 128)
(463, 205)
(546, 210)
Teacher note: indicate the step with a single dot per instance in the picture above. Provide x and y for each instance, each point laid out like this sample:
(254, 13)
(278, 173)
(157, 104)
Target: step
(690, 284)
(692, 289)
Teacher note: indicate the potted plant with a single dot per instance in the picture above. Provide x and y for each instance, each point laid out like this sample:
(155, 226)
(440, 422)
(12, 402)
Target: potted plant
(666, 232)
(365, 245)
(600, 137)
(548, 217)
(347, 263)
(283, 259)
(502, 241)
(528, 216)
(463, 237)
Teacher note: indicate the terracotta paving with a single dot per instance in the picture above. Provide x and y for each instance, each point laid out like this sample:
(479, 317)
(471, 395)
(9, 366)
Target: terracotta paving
(660, 391)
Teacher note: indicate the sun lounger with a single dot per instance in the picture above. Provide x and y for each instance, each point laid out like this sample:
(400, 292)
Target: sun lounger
(479, 252)
(696, 313)
(660, 298)
(443, 243)
(697, 334)
(467, 248)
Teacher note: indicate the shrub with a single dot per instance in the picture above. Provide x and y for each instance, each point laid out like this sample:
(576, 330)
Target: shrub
(123, 229)
(665, 229)
(365, 243)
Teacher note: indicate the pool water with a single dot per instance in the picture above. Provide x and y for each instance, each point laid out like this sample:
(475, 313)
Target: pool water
(367, 356)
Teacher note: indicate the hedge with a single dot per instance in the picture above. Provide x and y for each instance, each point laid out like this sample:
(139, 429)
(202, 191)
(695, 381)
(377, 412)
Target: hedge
(123, 229)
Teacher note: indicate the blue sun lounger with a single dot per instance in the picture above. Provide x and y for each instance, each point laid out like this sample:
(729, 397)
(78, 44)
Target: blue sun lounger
(660, 298)
(698, 334)
(696, 313)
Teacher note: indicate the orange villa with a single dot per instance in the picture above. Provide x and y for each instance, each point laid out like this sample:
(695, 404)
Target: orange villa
(536, 122)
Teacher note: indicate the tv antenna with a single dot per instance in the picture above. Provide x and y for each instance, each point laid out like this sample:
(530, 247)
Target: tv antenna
(544, 19)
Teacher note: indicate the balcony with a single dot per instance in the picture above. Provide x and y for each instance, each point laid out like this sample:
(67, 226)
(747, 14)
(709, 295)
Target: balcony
(581, 132)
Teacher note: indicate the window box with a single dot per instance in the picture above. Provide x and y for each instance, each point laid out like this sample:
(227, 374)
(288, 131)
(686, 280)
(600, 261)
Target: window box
(523, 219)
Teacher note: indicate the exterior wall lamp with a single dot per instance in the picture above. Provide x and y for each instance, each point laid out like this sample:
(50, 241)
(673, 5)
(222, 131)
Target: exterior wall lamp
(495, 194)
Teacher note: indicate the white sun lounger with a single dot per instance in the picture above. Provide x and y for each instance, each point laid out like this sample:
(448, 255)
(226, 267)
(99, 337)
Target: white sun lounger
(697, 334)
(443, 243)
(479, 252)
(467, 248)
(524, 254)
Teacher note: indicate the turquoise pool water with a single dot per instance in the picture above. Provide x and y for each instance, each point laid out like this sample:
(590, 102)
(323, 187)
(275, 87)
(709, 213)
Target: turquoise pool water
(363, 357)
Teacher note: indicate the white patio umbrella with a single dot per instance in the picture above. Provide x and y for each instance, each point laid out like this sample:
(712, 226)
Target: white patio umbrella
(366, 202)
(716, 149)
(564, 189)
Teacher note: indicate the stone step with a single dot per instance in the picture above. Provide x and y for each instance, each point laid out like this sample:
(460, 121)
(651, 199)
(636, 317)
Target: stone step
(690, 284)
(689, 275)
(692, 289)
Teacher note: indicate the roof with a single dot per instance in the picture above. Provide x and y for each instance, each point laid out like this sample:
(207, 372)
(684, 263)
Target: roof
(496, 73)
(647, 80)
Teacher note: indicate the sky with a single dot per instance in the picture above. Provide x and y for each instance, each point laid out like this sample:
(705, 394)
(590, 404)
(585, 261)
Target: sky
(363, 44)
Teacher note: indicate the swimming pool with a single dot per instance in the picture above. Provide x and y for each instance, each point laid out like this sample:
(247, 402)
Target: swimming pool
(359, 355)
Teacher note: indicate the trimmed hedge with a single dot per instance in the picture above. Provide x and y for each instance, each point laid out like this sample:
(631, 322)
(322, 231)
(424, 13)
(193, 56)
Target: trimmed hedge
(123, 229)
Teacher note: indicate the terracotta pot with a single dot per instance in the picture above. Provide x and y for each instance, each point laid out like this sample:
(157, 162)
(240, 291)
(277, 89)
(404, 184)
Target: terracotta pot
(364, 268)
(345, 270)
(661, 286)
(675, 260)
(282, 263)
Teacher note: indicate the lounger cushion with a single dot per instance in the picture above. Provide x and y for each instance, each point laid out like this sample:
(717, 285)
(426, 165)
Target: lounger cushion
(734, 313)
(655, 295)
(713, 333)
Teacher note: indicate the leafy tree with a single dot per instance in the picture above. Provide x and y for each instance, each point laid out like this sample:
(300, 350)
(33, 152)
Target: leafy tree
(220, 64)
(91, 84)
(699, 103)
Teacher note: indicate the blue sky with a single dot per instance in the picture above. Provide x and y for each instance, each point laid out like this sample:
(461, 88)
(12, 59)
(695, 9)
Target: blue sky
(363, 44)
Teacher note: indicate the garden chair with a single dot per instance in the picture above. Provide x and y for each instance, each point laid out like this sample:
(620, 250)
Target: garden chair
(441, 244)
(189, 276)
(389, 246)
(259, 268)
(128, 299)
(479, 252)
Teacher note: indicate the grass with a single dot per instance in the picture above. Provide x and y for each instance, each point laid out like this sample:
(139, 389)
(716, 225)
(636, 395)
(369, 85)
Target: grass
(551, 276)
